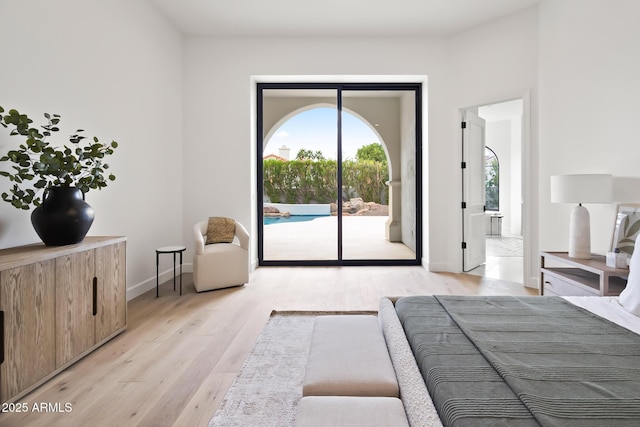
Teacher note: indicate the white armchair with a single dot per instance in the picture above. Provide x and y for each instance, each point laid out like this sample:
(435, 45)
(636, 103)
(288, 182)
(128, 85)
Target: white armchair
(220, 265)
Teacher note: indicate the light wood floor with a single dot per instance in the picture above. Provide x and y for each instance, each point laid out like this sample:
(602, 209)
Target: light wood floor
(180, 354)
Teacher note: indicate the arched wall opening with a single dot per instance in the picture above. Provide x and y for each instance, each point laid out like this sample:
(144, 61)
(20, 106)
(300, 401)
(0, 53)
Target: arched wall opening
(376, 137)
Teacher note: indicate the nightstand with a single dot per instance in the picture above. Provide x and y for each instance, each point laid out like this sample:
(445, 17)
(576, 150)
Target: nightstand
(588, 277)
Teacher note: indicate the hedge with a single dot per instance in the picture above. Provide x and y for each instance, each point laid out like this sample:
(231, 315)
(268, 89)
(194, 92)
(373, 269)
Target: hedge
(315, 181)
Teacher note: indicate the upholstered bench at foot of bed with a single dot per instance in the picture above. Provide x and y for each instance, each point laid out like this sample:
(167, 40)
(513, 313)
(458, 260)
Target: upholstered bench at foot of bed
(348, 357)
(337, 411)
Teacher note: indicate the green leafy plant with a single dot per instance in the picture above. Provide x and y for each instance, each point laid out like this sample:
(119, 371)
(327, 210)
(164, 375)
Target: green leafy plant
(315, 181)
(374, 152)
(304, 154)
(80, 164)
(492, 184)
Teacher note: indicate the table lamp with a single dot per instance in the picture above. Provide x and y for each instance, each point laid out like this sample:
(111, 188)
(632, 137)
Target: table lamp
(584, 188)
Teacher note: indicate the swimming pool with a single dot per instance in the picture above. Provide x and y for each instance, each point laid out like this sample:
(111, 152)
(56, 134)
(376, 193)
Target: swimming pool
(292, 218)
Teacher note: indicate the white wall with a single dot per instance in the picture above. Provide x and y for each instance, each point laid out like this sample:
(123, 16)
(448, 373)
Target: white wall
(113, 68)
(218, 107)
(498, 138)
(408, 169)
(589, 107)
(218, 103)
(515, 196)
(489, 64)
(504, 137)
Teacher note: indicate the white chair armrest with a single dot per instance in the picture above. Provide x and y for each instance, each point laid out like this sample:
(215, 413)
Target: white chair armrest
(242, 235)
(199, 237)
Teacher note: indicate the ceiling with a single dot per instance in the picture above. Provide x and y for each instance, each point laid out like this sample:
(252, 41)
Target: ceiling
(334, 17)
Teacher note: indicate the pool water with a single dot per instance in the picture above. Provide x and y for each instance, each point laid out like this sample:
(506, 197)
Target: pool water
(293, 218)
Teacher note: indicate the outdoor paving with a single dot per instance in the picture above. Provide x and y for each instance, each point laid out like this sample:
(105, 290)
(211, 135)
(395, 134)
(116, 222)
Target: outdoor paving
(363, 238)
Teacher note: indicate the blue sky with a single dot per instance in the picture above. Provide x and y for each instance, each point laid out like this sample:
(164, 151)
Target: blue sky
(317, 129)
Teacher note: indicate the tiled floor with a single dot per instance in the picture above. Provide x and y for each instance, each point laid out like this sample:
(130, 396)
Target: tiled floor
(502, 267)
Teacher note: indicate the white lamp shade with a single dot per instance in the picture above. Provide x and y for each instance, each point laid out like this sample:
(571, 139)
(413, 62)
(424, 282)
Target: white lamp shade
(585, 188)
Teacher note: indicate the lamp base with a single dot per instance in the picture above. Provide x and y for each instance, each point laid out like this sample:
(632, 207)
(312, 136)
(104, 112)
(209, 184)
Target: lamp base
(579, 233)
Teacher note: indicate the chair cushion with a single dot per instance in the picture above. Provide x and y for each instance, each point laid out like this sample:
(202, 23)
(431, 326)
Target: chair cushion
(220, 230)
(338, 411)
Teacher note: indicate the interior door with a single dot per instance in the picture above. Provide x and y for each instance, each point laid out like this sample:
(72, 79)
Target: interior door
(473, 191)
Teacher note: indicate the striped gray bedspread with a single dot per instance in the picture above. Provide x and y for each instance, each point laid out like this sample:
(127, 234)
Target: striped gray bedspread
(523, 361)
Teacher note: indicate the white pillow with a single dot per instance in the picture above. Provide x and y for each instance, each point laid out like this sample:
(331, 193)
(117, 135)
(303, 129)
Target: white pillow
(630, 296)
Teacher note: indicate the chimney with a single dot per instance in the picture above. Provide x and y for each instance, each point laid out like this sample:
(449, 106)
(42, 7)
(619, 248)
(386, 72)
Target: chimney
(284, 152)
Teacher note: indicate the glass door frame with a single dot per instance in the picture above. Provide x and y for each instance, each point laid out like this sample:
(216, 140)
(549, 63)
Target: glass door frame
(339, 88)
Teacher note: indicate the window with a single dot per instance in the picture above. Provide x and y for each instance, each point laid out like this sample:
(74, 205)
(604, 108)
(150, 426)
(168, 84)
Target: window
(492, 180)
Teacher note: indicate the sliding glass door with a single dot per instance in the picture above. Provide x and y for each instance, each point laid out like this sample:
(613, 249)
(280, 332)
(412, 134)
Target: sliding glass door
(299, 174)
(379, 180)
(337, 174)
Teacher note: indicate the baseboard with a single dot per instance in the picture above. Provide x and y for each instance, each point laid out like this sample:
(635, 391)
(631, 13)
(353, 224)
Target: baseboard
(440, 267)
(150, 283)
(532, 283)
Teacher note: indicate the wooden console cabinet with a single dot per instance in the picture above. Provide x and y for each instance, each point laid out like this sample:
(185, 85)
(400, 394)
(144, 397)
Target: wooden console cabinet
(57, 304)
(561, 275)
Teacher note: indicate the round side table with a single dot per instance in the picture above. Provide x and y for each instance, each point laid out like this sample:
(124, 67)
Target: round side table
(169, 250)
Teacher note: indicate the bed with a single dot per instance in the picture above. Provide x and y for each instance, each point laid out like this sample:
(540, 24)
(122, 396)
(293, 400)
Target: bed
(515, 361)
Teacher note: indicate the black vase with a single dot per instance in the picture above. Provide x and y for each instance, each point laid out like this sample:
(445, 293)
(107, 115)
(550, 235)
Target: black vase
(63, 218)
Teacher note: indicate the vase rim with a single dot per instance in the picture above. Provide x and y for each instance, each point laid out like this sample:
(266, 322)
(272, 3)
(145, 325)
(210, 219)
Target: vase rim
(63, 187)
(62, 191)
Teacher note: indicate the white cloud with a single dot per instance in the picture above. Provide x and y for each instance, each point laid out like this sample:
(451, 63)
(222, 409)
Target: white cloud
(281, 134)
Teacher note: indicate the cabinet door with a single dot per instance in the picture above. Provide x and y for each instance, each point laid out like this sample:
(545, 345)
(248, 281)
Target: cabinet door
(111, 298)
(27, 298)
(74, 305)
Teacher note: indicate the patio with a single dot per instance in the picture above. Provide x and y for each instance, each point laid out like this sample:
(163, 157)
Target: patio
(363, 238)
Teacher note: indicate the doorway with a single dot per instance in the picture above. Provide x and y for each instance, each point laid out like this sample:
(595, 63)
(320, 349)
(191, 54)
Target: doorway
(503, 222)
(327, 197)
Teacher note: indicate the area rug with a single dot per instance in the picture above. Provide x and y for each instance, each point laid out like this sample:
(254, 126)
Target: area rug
(504, 246)
(269, 385)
